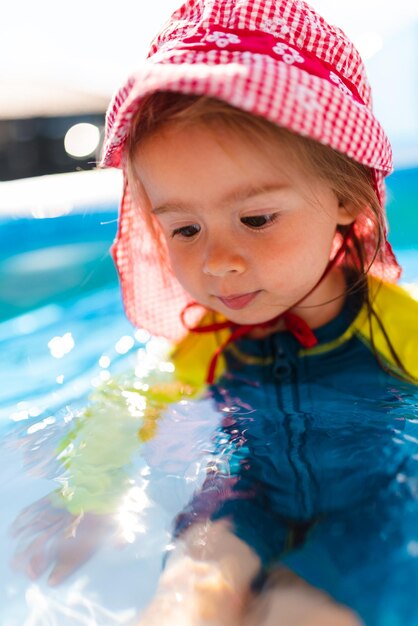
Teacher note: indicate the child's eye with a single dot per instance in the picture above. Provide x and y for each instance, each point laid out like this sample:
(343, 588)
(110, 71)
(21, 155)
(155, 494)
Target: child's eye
(259, 221)
(186, 231)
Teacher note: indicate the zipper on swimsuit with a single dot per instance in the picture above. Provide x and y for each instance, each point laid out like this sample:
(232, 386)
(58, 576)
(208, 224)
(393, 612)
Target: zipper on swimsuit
(288, 401)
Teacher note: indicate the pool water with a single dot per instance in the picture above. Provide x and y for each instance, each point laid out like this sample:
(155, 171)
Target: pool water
(66, 344)
(57, 356)
(54, 259)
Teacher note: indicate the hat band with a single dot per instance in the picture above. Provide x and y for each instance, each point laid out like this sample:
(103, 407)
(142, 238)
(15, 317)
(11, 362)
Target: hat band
(255, 45)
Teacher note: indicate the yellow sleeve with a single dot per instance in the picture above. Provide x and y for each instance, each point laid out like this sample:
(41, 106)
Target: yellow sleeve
(192, 356)
(121, 415)
(392, 326)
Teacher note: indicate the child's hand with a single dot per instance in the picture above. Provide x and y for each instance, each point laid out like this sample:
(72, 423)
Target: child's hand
(196, 594)
(206, 581)
(177, 610)
(53, 539)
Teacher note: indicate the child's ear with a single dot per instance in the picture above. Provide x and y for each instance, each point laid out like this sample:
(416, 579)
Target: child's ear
(347, 212)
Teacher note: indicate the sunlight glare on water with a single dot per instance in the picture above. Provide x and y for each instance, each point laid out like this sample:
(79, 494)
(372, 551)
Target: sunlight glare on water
(73, 607)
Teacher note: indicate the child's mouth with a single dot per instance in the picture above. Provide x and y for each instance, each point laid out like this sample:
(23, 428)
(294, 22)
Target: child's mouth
(238, 301)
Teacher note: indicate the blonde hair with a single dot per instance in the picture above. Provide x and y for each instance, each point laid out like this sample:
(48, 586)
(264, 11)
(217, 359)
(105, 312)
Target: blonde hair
(351, 182)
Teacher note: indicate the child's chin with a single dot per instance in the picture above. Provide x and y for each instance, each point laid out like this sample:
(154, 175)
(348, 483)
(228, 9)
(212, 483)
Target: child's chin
(243, 318)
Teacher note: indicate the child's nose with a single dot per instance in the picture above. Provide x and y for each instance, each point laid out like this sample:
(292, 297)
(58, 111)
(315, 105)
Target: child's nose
(221, 258)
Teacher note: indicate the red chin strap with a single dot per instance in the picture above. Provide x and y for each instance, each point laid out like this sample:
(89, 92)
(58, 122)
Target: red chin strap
(294, 324)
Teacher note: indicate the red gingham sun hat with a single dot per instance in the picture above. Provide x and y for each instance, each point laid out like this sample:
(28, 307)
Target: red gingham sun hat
(277, 59)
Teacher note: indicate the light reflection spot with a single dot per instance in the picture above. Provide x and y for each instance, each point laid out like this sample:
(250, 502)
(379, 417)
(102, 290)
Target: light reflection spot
(41, 425)
(136, 403)
(170, 547)
(157, 347)
(166, 367)
(142, 335)
(60, 346)
(124, 344)
(19, 416)
(141, 386)
(34, 411)
(130, 514)
(104, 361)
(81, 140)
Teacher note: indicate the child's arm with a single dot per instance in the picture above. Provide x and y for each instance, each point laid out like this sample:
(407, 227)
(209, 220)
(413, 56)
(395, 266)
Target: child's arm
(207, 583)
(206, 580)
(290, 601)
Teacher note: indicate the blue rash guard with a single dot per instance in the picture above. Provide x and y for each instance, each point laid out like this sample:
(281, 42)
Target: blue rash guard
(316, 462)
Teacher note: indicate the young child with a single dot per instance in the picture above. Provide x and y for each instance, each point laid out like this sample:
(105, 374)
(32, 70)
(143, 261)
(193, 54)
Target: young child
(252, 233)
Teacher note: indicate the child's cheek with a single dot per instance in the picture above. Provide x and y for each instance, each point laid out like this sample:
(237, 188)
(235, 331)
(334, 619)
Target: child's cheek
(184, 266)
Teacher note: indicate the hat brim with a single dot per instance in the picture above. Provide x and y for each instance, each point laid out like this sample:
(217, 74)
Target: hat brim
(283, 94)
(287, 96)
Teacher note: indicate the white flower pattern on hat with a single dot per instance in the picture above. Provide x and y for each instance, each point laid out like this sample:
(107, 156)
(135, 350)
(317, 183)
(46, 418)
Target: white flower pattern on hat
(223, 39)
(275, 26)
(340, 84)
(288, 54)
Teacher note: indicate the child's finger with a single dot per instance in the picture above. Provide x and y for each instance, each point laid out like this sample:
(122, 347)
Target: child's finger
(37, 516)
(34, 558)
(38, 564)
(69, 559)
(43, 524)
(76, 549)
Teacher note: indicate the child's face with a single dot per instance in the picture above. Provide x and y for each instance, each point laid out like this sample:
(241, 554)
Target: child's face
(247, 235)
